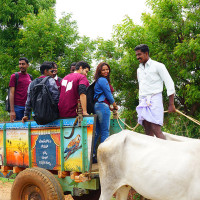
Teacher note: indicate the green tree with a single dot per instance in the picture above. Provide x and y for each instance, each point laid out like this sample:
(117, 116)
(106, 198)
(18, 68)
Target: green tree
(39, 37)
(29, 28)
(12, 13)
(176, 25)
(42, 38)
(172, 33)
(56, 41)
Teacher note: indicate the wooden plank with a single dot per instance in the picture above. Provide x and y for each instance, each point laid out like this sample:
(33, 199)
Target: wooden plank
(73, 174)
(63, 174)
(17, 169)
(95, 167)
(81, 178)
(6, 168)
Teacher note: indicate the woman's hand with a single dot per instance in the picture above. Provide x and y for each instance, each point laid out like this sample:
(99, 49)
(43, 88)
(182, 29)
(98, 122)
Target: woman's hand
(25, 118)
(85, 113)
(113, 107)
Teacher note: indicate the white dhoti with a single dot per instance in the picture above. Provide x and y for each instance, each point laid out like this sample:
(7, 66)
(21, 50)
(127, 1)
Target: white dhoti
(151, 109)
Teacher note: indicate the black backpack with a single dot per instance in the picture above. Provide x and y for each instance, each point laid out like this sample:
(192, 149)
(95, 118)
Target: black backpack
(8, 95)
(59, 79)
(44, 108)
(90, 98)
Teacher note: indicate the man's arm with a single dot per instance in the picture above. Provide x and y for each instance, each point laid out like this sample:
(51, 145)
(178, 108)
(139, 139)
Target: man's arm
(169, 85)
(28, 105)
(171, 107)
(165, 76)
(83, 100)
(12, 109)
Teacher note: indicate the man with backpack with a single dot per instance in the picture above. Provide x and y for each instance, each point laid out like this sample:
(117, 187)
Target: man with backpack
(18, 86)
(73, 87)
(43, 96)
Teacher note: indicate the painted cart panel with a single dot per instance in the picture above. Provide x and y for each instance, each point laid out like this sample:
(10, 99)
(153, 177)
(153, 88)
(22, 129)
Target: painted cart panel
(1, 147)
(17, 147)
(73, 147)
(51, 146)
(45, 148)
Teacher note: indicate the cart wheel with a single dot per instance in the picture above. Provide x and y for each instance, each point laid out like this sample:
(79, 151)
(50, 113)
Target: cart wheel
(36, 184)
(53, 180)
(93, 195)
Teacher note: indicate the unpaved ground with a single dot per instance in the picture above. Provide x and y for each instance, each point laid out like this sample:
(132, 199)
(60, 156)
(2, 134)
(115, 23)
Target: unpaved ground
(5, 189)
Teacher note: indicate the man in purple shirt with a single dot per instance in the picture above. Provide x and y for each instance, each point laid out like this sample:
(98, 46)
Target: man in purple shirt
(73, 87)
(18, 94)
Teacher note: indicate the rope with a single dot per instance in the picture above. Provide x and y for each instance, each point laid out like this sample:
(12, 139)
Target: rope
(119, 123)
(190, 118)
(133, 129)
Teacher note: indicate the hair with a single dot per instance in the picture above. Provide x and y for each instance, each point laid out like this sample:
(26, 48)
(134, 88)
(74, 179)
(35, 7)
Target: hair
(46, 65)
(54, 65)
(82, 64)
(98, 71)
(73, 64)
(143, 47)
(25, 59)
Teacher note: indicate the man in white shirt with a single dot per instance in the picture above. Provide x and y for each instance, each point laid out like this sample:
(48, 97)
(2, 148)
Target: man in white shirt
(151, 75)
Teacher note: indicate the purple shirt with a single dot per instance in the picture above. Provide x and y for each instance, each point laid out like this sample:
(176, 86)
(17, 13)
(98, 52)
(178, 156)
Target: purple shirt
(21, 90)
(69, 94)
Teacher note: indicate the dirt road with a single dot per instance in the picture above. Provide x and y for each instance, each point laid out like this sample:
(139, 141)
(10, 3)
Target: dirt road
(5, 188)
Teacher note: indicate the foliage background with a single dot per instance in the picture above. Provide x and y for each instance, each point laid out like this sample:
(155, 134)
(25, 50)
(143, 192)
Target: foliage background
(172, 32)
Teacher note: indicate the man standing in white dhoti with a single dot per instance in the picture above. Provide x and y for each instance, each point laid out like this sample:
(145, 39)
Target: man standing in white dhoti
(151, 75)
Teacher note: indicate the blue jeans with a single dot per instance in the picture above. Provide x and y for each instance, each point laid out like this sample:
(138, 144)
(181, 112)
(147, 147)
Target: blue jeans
(103, 122)
(19, 111)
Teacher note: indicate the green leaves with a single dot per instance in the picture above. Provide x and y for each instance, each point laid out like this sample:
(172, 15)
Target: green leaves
(39, 37)
(29, 28)
(172, 34)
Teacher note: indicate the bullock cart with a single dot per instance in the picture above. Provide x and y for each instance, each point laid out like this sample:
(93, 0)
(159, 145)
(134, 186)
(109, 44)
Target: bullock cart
(47, 161)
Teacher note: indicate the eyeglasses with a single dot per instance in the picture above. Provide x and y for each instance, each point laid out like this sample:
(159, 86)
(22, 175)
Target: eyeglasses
(52, 71)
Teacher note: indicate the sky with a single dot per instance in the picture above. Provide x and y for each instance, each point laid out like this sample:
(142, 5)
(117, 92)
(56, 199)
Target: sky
(96, 18)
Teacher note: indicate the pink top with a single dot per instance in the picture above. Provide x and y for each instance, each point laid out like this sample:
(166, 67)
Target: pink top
(21, 89)
(69, 94)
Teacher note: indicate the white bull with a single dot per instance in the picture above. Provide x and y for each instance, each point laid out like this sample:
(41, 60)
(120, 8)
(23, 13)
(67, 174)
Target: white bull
(178, 138)
(157, 169)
